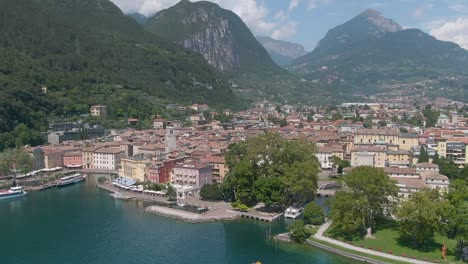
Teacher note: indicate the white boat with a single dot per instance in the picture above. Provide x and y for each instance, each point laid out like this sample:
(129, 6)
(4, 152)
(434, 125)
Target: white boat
(293, 212)
(120, 196)
(72, 179)
(13, 192)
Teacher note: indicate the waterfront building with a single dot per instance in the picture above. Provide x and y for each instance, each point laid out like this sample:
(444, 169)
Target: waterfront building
(88, 157)
(220, 169)
(38, 158)
(73, 159)
(160, 170)
(189, 177)
(136, 167)
(107, 158)
(53, 158)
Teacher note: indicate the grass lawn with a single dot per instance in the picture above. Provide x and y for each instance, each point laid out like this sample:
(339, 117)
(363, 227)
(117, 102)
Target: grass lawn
(357, 252)
(387, 239)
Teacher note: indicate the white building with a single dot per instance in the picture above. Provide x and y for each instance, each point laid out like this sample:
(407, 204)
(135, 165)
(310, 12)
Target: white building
(325, 154)
(107, 158)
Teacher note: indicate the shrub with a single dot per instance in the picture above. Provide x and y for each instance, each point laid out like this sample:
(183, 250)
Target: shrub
(314, 214)
(297, 232)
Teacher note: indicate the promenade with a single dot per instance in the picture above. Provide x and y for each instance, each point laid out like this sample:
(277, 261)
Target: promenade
(319, 236)
(219, 214)
(134, 195)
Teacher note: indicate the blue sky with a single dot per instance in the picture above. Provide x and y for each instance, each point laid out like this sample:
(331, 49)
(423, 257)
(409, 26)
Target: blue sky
(307, 21)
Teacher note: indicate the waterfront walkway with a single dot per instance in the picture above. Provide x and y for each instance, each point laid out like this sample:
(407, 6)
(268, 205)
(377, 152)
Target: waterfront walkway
(319, 236)
(219, 214)
(134, 195)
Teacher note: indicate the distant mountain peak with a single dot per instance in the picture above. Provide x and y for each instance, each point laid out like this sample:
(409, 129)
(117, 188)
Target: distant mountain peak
(380, 22)
(219, 35)
(370, 13)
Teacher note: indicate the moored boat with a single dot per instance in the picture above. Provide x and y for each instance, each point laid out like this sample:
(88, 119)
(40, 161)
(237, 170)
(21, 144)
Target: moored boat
(293, 212)
(71, 179)
(13, 192)
(120, 196)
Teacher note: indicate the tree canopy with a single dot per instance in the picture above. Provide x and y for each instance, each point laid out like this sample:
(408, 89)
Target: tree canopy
(422, 215)
(314, 214)
(271, 170)
(370, 192)
(14, 161)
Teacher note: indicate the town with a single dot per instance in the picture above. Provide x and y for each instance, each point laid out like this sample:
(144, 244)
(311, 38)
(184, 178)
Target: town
(418, 147)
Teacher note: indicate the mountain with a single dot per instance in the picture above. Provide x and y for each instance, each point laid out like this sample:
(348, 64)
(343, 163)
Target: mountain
(59, 57)
(370, 51)
(141, 19)
(282, 52)
(218, 34)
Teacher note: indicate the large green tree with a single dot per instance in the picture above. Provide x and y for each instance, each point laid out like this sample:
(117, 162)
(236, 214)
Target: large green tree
(15, 161)
(422, 215)
(377, 190)
(348, 214)
(458, 219)
(272, 170)
(211, 192)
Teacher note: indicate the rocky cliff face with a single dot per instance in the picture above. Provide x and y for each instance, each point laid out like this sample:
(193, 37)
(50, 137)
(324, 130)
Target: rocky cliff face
(217, 34)
(215, 42)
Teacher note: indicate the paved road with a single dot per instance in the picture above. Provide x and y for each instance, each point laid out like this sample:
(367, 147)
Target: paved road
(324, 227)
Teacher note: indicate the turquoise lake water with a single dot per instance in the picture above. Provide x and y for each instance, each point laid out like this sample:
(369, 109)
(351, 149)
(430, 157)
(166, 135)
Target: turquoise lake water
(81, 224)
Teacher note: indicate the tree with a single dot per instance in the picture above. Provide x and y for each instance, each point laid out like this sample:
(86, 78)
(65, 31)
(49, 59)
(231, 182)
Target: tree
(211, 192)
(283, 122)
(448, 168)
(272, 170)
(297, 232)
(348, 215)
(436, 159)
(422, 215)
(171, 193)
(375, 188)
(431, 116)
(314, 214)
(15, 160)
(458, 224)
(423, 155)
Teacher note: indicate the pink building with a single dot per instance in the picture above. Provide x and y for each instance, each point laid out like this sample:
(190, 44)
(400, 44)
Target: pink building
(72, 159)
(192, 174)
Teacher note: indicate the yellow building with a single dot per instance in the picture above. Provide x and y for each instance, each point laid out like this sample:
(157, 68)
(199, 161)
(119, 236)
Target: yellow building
(398, 158)
(88, 157)
(389, 136)
(441, 147)
(135, 168)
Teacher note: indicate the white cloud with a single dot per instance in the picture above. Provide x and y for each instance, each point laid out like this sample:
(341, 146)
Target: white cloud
(459, 8)
(455, 31)
(421, 10)
(293, 4)
(286, 31)
(312, 4)
(253, 12)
